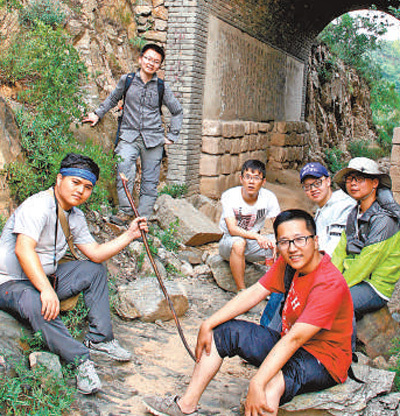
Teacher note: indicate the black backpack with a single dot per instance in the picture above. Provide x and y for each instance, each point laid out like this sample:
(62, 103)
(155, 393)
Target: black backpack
(128, 82)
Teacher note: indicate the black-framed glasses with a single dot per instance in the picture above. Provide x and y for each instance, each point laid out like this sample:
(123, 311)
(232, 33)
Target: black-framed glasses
(357, 178)
(151, 60)
(316, 184)
(297, 242)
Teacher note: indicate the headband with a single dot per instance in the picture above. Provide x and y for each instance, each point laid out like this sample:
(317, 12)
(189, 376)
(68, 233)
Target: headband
(81, 173)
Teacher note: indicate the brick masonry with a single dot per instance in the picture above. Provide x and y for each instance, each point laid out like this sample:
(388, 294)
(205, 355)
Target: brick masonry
(395, 164)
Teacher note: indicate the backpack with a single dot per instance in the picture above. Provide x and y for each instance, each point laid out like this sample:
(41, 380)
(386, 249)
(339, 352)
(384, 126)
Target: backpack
(128, 82)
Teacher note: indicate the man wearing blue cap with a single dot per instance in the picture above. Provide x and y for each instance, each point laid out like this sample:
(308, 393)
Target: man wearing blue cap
(333, 207)
(33, 282)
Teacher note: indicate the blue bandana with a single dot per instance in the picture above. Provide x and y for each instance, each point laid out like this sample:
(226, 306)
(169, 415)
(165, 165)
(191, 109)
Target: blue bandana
(80, 173)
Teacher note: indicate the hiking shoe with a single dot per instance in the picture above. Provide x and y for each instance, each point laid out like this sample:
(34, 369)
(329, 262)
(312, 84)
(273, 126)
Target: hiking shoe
(111, 348)
(121, 219)
(87, 380)
(165, 406)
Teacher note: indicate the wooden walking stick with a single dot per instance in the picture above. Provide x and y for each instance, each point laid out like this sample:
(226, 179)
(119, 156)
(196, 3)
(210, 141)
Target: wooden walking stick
(160, 281)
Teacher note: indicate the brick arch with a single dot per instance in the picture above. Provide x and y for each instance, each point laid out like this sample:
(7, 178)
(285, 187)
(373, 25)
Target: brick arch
(208, 45)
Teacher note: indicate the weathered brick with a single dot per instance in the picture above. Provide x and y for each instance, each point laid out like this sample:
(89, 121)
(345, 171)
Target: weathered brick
(238, 129)
(234, 163)
(160, 12)
(225, 164)
(278, 139)
(157, 3)
(243, 157)
(235, 146)
(247, 127)
(209, 165)
(160, 25)
(155, 36)
(227, 129)
(396, 136)
(244, 144)
(211, 186)
(278, 153)
(395, 154)
(212, 128)
(143, 10)
(213, 145)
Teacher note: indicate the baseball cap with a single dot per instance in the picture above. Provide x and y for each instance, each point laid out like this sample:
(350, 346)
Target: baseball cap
(313, 169)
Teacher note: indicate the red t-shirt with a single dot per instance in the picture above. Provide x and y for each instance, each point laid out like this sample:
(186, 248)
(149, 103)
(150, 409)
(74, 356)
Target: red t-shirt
(320, 298)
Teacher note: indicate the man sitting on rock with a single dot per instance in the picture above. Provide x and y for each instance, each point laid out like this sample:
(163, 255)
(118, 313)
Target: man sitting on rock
(330, 219)
(245, 209)
(368, 253)
(32, 281)
(313, 351)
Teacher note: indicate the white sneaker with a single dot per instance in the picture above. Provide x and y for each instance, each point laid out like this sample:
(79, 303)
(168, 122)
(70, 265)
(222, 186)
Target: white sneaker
(111, 348)
(87, 380)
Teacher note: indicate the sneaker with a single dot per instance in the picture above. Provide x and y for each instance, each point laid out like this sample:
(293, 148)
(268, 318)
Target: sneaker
(165, 406)
(121, 218)
(111, 348)
(87, 380)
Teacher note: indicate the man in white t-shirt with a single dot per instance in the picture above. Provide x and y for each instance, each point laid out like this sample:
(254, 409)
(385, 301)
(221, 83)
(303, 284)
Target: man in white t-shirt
(245, 209)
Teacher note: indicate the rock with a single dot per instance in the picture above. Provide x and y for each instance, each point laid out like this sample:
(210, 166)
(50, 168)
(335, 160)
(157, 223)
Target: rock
(207, 206)
(11, 332)
(145, 299)
(202, 270)
(186, 269)
(169, 258)
(350, 398)
(223, 276)
(194, 228)
(191, 255)
(47, 360)
(147, 267)
(376, 330)
(383, 406)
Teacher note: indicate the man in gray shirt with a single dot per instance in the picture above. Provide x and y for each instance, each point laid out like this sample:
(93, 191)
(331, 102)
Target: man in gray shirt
(33, 282)
(142, 132)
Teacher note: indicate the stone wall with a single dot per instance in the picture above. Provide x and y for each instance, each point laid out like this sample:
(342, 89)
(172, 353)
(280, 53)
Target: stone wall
(395, 164)
(226, 145)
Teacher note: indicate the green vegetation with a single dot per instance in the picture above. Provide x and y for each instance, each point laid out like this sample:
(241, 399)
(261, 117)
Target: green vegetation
(176, 190)
(76, 319)
(45, 11)
(43, 61)
(168, 236)
(3, 221)
(334, 160)
(35, 392)
(355, 40)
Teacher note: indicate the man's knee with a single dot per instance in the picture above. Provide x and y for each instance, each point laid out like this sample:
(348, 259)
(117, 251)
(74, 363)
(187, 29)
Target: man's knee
(92, 272)
(238, 247)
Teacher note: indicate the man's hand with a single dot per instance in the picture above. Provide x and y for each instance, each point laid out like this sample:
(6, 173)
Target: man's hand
(204, 340)
(50, 304)
(256, 401)
(167, 141)
(92, 118)
(136, 225)
(265, 242)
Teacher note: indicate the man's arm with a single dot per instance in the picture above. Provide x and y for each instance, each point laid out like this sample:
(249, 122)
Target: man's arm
(102, 252)
(240, 304)
(284, 349)
(30, 263)
(175, 108)
(235, 230)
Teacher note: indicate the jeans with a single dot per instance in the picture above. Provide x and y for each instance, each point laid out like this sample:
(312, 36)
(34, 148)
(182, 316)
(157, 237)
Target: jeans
(151, 165)
(365, 299)
(22, 299)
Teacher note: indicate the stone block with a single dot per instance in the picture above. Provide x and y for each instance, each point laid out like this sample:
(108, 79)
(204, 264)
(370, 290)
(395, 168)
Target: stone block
(227, 129)
(211, 187)
(238, 129)
(253, 141)
(280, 127)
(160, 12)
(157, 3)
(155, 36)
(144, 299)
(376, 330)
(209, 165)
(160, 25)
(244, 144)
(243, 157)
(278, 139)
(396, 136)
(143, 10)
(395, 169)
(194, 227)
(262, 141)
(247, 127)
(278, 153)
(228, 144)
(225, 164)
(234, 163)
(395, 157)
(264, 127)
(213, 145)
(212, 128)
(235, 146)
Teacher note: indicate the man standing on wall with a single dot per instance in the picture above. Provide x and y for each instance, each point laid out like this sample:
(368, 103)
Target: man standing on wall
(141, 130)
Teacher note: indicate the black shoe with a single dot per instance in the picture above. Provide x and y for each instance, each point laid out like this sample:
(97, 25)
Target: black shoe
(121, 219)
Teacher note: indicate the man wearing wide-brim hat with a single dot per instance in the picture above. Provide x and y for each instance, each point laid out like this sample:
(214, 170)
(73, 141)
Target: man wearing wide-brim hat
(368, 253)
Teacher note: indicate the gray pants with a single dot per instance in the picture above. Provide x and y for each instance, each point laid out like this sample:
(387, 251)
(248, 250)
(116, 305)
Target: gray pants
(22, 300)
(151, 165)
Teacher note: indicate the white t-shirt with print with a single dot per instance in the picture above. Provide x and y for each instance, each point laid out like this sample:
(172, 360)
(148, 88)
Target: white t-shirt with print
(248, 217)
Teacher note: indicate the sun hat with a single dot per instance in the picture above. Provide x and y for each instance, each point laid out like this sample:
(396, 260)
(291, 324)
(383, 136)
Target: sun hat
(366, 167)
(313, 169)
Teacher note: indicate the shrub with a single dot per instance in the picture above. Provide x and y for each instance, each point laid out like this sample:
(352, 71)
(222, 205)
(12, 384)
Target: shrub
(334, 160)
(175, 190)
(168, 236)
(361, 148)
(48, 12)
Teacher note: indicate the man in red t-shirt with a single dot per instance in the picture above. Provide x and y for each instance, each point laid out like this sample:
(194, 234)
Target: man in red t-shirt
(312, 353)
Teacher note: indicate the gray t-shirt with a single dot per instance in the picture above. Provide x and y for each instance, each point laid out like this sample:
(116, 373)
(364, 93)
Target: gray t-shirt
(36, 218)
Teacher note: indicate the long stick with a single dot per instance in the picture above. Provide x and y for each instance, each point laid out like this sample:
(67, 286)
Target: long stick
(160, 281)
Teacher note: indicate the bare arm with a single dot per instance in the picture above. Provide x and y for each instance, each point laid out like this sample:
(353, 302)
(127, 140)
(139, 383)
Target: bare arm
(241, 303)
(235, 230)
(30, 263)
(102, 252)
(298, 335)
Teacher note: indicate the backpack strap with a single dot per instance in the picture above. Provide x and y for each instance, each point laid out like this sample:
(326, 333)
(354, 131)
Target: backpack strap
(128, 82)
(160, 88)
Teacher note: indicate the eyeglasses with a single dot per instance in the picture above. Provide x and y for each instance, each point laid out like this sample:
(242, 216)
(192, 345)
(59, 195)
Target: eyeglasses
(316, 184)
(151, 60)
(358, 179)
(297, 242)
(249, 178)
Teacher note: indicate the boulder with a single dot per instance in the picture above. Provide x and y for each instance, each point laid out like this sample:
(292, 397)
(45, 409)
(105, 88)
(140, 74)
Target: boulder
(47, 360)
(223, 276)
(11, 332)
(194, 229)
(376, 330)
(192, 255)
(144, 299)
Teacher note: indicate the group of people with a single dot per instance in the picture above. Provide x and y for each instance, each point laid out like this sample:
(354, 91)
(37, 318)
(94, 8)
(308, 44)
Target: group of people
(328, 271)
